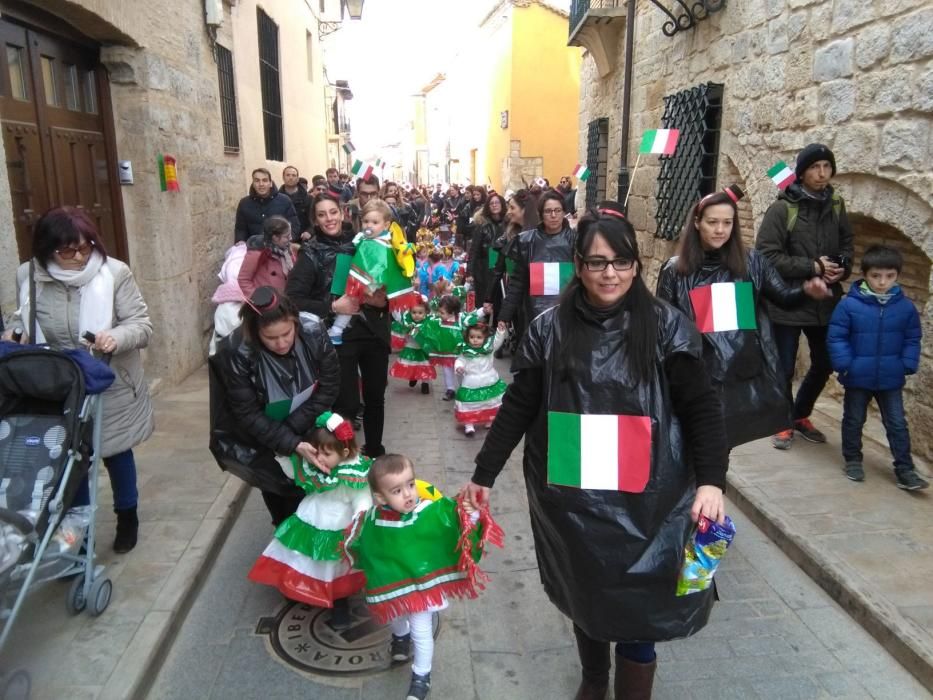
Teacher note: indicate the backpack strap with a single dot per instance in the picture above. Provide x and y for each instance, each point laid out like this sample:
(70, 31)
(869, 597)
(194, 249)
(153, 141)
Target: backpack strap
(793, 210)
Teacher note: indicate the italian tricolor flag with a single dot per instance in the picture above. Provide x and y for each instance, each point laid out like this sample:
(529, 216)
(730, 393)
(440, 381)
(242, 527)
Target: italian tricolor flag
(361, 169)
(662, 141)
(581, 172)
(781, 175)
(548, 279)
(599, 451)
(724, 306)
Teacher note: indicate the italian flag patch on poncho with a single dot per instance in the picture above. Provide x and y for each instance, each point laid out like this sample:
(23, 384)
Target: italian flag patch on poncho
(548, 279)
(599, 451)
(724, 306)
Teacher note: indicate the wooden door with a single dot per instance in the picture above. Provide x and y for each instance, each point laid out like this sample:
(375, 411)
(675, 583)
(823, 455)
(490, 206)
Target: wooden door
(54, 103)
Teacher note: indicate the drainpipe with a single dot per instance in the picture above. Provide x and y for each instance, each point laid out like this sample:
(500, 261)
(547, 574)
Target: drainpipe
(626, 100)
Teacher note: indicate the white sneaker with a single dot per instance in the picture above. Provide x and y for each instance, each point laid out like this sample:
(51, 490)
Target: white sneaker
(469, 430)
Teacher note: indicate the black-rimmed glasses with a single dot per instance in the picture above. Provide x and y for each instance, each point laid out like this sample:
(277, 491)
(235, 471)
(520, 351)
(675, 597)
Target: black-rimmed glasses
(600, 264)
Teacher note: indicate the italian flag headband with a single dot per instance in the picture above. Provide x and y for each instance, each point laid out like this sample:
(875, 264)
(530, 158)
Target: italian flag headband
(336, 424)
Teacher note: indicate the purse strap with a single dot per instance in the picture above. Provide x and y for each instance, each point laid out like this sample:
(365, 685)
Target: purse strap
(32, 301)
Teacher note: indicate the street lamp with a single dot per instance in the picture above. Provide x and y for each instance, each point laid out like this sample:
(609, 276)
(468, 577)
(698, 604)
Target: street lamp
(354, 8)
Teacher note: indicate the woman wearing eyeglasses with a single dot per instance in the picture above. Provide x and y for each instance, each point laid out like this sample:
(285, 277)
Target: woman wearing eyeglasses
(609, 390)
(719, 285)
(79, 289)
(543, 263)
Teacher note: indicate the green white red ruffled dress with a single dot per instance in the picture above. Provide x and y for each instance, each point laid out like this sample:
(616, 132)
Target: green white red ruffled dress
(305, 558)
(415, 561)
(412, 363)
(442, 339)
(479, 397)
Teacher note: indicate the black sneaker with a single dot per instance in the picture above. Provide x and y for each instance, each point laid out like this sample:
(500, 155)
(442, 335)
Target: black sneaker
(448, 395)
(807, 431)
(420, 686)
(340, 618)
(910, 480)
(425, 388)
(854, 471)
(412, 383)
(400, 648)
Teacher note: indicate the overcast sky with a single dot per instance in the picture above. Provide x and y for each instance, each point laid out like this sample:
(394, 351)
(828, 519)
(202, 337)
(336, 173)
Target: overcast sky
(390, 54)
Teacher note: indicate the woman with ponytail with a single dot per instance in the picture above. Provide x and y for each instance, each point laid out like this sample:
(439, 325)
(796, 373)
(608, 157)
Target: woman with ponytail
(718, 284)
(624, 450)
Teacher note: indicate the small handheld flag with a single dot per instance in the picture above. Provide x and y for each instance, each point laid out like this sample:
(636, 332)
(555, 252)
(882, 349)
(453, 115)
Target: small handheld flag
(781, 175)
(541, 182)
(361, 170)
(348, 148)
(660, 141)
(581, 172)
(549, 278)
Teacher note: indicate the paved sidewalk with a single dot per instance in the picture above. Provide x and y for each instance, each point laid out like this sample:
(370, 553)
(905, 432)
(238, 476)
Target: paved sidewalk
(868, 544)
(775, 634)
(186, 508)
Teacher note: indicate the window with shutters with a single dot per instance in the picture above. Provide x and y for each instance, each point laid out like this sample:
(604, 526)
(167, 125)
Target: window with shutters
(597, 158)
(227, 100)
(690, 173)
(270, 85)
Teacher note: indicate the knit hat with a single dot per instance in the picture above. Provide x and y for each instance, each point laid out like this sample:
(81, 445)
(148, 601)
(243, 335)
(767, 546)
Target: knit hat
(812, 153)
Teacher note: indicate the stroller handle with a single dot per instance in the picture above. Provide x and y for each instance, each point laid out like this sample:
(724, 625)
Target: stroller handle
(20, 522)
(91, 338)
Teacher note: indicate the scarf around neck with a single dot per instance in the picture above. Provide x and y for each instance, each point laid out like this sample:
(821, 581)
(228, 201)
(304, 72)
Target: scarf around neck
(95, 286)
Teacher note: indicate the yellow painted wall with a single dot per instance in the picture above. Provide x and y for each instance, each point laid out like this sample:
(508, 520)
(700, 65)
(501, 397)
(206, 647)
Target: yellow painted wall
(545, 89)
(495, 146)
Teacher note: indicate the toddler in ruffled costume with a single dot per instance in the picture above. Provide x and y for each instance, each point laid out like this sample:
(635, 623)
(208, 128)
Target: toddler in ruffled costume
(305, 558)
(416, 549)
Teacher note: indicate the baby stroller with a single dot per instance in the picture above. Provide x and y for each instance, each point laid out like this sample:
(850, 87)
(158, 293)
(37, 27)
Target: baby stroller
(50, 415)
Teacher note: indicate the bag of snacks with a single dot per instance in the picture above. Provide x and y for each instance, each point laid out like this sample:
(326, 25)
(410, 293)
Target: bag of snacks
(703, 553)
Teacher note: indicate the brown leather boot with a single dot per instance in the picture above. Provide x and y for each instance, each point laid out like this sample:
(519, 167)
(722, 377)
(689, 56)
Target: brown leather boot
(590, 690)
(633, 680)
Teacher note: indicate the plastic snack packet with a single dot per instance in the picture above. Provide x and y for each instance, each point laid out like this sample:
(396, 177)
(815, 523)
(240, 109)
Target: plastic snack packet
(703, 553)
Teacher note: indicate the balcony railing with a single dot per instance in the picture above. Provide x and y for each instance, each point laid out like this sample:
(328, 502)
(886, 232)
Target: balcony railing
(579, 8)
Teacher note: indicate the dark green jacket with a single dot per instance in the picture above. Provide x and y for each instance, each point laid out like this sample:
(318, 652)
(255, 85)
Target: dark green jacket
(818, 231)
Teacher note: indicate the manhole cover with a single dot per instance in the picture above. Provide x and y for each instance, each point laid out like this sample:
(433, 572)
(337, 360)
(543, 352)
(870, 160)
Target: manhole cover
(301, 636)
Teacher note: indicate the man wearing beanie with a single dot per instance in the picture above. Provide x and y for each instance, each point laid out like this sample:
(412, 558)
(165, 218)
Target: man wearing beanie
(806, 233)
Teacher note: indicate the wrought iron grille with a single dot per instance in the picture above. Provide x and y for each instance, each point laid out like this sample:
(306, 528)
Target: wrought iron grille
(597, 157)
(270, 86)
(684, 14)
(579, 8)
(227, 99)
(691, 172)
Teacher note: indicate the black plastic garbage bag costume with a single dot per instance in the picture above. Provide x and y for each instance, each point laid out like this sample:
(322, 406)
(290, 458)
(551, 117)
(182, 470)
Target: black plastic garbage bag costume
(743, 364)
(245, 379)
(534, 246)
(609, 560)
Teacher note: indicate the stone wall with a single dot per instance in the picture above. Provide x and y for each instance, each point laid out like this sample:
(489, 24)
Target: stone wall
(165, 95)
(519, 172)
(855, 75)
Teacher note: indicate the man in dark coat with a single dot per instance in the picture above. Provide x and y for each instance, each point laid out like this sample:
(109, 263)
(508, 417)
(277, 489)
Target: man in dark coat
(570, 194)
(301, 200)
(805, 234)
(264, 200)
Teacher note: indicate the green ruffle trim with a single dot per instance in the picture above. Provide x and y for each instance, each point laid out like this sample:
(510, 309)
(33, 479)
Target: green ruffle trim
(298, 536)
(352, 475)
(413, 354)
(482, 393)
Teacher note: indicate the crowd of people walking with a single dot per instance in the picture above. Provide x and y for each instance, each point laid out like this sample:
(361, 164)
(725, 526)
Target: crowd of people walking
(301, 361)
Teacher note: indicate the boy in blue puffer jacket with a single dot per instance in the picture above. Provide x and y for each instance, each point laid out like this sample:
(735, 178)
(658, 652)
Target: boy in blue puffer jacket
(874, 342)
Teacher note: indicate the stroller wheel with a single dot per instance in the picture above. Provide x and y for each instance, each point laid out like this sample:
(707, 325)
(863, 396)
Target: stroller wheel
(75, 602)
(101, 590)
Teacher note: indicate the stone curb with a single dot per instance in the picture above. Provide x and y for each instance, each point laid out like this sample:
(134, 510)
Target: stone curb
(140, 663)
(899, 636)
